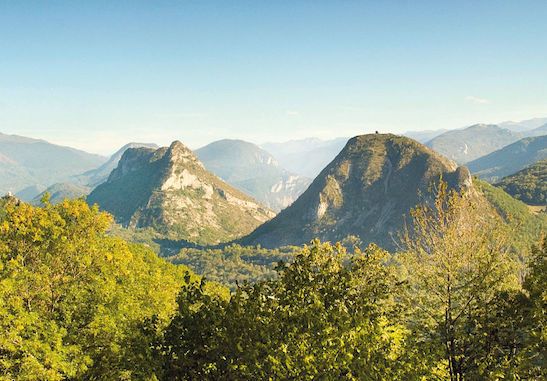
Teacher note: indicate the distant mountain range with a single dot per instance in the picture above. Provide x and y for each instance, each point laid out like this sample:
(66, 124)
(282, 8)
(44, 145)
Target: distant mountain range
(306, 157)
(510, 159)
(471, 143)
(365, 192)
(524, 125)
(60, 191)
(170, 191)
(30, 165)
(254, 171)
(81, 184)
(424, 136)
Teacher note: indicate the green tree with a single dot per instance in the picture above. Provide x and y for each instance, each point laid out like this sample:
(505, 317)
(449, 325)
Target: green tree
(455, 255)
(328, 315)
(73, 300)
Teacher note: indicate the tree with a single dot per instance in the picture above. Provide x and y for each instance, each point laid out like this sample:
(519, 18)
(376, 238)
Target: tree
(327, 315)
(73, 300)
(455, 255)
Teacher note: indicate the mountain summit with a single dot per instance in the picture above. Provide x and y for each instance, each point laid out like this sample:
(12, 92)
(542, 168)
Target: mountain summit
(365, 191)
(168, 189)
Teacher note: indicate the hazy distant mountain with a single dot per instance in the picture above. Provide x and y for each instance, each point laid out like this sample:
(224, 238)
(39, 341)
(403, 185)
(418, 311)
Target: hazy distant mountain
(510, 159)
(170, 191)
(364, 191)
(306, 157)
(424, 136)
(539, 131)
(524, 125)
(254, 171)
(61, 191)
(472, 142)
(529, 184)
(99, 175)
(26, 162)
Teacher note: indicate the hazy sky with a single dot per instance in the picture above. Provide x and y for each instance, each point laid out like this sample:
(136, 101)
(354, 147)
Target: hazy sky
(96, 74)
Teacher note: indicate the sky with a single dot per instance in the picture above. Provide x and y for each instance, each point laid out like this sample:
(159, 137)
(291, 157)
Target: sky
(98, 74)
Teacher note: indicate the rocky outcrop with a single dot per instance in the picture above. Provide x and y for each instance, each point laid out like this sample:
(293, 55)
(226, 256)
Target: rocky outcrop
(169, 190)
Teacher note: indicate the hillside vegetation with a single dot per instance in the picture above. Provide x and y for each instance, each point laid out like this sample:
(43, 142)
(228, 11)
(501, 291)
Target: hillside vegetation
(528, 185)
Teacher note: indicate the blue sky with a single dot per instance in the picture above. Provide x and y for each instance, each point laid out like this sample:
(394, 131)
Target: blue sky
(96, 74)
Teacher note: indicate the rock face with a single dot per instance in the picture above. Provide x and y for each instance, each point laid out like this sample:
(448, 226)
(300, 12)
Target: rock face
(254, 171)
(169, 190)
(365, 191)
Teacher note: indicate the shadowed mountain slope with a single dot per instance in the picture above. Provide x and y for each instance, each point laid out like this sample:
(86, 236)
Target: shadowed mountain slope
(528, 185)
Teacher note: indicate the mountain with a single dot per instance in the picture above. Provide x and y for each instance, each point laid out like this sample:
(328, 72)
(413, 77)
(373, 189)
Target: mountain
(365, 191)
(472, 142)
(524, 125)
(424, 136)
(528, 185)
(510, 159)
(254, 171)
(26, 162)
(99, 175)
(79, 185)
(539, 131)
(61, 191)
(305, 157)
(170, 191)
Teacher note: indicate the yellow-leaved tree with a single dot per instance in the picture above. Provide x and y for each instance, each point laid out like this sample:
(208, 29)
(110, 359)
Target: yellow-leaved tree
(74, 302)
(455, 254)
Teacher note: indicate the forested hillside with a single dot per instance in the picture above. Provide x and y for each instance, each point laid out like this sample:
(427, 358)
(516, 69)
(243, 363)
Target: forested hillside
(528, 185)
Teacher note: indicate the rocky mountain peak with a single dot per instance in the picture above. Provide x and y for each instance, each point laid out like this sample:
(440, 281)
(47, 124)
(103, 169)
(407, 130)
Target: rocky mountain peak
(365, 191)
(170, 191)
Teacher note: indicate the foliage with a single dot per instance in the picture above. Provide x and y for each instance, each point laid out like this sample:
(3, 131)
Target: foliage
(234, 264)
(76, 303)
(528, 185)
(456, 256)
(525, 228)
(72, 300)
(321, 318)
